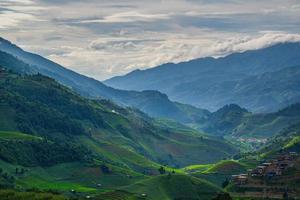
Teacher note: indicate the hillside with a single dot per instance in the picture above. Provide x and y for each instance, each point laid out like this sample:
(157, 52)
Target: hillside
(39, 106)
(286, 140)
(238, 122)
(152, 102)
(50, 135)
(217, 173)
(256, 79)
(170, 187)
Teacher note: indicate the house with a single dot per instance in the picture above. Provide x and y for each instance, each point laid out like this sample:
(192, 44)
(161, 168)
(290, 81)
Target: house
(144, 195)
(270, 174)
(249, 172)
(293, 155)
(261, 169)
(241, 179)
(273, 170)
(267, 164)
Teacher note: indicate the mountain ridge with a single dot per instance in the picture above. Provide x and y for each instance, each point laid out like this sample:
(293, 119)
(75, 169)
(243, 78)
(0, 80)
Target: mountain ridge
(212, 83)
(152, 102)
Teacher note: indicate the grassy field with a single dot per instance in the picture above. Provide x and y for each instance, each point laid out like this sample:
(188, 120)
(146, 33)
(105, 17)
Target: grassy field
(85, 179)
(293, 142)
(117, 195)
(197, 168)
(217, 173)
(168, 187)
(15, 195)
(226, 166)
(13, 135)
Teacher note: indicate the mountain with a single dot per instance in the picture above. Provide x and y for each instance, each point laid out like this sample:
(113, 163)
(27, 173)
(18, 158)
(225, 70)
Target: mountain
(224, 120)
(53, 139)
(238, 122)
(175, 187)
(39, 106)
(152, 102)
(249, 79)
(287, 140)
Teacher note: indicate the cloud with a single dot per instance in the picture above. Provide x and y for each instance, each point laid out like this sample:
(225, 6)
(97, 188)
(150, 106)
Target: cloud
(108, 57)
(23, 2)
(107, 38)
(16, 12)
(127, 17)
(248, 43)
(11, 19)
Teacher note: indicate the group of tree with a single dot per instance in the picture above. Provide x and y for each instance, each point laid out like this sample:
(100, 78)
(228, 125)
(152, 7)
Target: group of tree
(41, 152)
(6, 180)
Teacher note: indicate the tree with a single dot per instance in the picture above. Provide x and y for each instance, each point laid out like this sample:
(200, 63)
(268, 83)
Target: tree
(225, 183)
(105, 169)
(162, 170)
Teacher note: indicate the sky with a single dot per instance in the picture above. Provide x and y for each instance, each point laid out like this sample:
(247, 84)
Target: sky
(106, 38)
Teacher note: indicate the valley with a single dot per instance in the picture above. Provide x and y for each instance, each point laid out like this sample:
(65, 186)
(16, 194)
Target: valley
(65, 136)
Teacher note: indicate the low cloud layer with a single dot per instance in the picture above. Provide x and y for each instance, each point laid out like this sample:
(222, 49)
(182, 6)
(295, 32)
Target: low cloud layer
(106, 38)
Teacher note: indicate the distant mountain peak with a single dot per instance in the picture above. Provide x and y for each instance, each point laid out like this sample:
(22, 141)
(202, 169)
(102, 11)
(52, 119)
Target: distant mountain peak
(229, 109)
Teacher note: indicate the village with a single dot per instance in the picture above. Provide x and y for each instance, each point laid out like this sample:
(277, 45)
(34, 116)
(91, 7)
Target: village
(272, 178)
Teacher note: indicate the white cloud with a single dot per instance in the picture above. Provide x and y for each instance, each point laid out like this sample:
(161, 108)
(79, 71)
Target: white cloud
(248, 43)
(127, 17)
(108, 58)
(11, 19)
(243, 43)
(23, 2)
(16, 12)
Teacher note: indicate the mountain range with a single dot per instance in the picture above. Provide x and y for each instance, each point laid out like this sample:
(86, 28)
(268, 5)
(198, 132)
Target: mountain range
(67, 136)
(53, 138)
(154, 103)
(262, 80)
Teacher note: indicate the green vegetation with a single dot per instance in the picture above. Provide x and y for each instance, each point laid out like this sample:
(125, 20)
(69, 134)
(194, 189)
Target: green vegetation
(197, 168)
(10, 135)
(118, 195)
(234, 121)
(62, 142)
(219, 172)
(14, 195)
(294, 141)
(286, 140)
(41, 152)
(167, 187)
(54, 142)
(49, 110)
(226, 166)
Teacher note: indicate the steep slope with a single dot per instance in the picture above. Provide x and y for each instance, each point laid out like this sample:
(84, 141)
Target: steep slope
(224, 120)
(39, 106)
(286, 140)
(238, 122)
(218, 173)
(212, 83)
(53, 139)
(152, 102)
